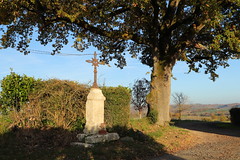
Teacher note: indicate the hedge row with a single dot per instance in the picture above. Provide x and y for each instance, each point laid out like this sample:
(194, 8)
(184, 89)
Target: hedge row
(117, 106)
(54, 103)
(61, 103)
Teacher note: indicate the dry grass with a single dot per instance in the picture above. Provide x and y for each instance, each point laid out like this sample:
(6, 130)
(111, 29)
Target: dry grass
(171, 137)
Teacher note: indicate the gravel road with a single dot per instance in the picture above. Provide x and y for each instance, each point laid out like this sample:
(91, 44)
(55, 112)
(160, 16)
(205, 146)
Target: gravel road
(213, 142)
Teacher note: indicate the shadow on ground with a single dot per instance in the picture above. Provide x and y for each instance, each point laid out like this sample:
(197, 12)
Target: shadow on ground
(167, 156)
(53, 144)
(220, 128)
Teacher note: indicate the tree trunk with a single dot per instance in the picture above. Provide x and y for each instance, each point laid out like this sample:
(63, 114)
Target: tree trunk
(159, 97)
(180, 113)
(140, 113)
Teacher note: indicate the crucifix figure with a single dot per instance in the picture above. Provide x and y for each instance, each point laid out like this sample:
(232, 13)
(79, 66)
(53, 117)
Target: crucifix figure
(95, 63)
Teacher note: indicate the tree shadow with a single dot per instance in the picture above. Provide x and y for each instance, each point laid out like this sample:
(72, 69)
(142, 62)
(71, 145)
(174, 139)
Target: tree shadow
(54, 144)
(167, 156)
(221, 128)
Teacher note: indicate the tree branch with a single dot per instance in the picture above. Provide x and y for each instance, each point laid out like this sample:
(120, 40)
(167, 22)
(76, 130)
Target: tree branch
(155, 23)
(156, 10)
(187, 20)
(119, 11)
(171, 10)
(139, 40)
(180, 10)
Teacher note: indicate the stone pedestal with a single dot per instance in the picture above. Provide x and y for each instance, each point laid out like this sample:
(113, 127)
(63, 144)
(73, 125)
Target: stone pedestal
(98, 138)
(88, 141)
(94, 111)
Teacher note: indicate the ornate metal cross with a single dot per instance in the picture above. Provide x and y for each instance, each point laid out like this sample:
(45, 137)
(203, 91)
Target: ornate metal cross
(95, 64)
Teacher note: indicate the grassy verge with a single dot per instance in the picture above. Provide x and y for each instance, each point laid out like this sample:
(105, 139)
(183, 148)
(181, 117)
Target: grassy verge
(172, 138)
(53, 143)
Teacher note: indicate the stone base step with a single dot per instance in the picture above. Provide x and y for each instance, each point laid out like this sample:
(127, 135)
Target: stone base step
(80, 144)
(98, 138)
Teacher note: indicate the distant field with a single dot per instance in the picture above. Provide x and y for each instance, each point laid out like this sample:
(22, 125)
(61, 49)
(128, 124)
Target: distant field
(208, 112)
(221, 118)
(205, 112)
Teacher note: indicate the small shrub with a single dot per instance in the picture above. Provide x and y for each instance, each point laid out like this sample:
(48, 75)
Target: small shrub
(153, 116)
(235, 116)
(79, 124)
(15, 91)
(175, 115)
(207, 119)
(223, 118)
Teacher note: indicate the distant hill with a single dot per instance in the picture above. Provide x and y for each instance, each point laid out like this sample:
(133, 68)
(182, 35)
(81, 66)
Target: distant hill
(214, 106)
(207, 109)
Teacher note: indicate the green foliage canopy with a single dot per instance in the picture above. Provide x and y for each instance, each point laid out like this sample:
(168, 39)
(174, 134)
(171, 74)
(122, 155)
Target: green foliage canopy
(200, 32)
(205, 34)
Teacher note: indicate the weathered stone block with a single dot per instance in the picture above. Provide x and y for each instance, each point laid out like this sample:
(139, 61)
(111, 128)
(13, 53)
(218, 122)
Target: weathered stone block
(80, 144)
(95, 139)
(102, 138)
(81, 137)
(127, 139)
(112, 137)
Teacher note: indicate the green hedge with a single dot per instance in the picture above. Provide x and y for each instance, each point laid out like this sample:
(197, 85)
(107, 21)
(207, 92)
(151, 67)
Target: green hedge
(117, 106)
(235, 116)
(61, 103)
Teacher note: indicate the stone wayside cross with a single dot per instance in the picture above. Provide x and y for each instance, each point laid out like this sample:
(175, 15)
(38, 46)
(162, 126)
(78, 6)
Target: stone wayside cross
(95, 103)
(95, 128)
(95, 63)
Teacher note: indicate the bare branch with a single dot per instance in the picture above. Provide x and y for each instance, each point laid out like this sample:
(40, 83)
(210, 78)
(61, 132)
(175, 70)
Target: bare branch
(180, 101)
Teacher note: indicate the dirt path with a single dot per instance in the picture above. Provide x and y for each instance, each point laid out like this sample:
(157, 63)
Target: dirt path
(214, 141)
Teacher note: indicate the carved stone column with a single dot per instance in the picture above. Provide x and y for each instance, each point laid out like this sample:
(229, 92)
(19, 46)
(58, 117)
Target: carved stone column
(94, 111)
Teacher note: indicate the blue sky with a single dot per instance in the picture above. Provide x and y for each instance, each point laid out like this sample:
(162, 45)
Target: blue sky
(197, 86)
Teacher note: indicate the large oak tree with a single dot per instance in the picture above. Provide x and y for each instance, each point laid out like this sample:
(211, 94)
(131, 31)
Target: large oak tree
(203, 33)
